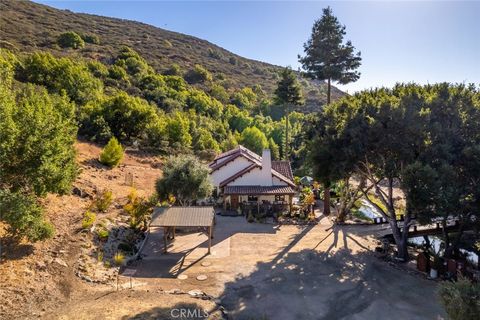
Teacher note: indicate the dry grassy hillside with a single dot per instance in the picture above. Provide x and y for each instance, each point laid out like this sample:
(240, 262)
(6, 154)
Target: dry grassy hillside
(26, 26)
(37, 278)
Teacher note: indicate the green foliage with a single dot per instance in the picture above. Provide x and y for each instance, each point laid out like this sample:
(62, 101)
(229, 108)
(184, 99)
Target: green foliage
(254, 139)
(326, 54)
(132, 62)
(119, 259)
(91, 38)
(112, 154)
(198, 75)
(205, 141)
(127, 116)
(36, 150)
(186, 178)
(24, 216)
(245, 98)
(70, 39)
(139, 211)
(460, 299)
(275, 150)
(103, 200)
(174, 70)
(88, 219)
(102, 233)
(288, 91)
(58, 75)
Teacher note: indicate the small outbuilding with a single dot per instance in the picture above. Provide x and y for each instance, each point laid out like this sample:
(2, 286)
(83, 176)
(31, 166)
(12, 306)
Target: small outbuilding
(172, 217)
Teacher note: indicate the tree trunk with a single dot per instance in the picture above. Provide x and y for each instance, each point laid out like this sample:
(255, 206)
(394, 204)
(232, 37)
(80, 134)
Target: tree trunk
(286, 134)
(328, 91)
(326, 201)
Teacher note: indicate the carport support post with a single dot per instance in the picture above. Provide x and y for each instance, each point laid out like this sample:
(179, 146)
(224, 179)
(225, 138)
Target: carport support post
(165, 238)
(210, 238)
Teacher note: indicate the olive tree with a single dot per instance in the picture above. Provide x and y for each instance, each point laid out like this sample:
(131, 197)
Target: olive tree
(185, 178)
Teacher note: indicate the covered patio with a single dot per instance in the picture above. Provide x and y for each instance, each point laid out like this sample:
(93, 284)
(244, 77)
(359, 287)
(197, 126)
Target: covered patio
(276, 198)
(172, 217)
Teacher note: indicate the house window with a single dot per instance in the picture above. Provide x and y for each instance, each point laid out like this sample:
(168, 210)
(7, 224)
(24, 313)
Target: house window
(280, 197)
(252, 198)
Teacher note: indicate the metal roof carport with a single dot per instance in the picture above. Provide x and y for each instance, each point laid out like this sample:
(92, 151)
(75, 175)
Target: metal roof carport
(171, 217)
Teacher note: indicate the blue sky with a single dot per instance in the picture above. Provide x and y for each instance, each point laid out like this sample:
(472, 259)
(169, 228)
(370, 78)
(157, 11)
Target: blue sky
(420, 41)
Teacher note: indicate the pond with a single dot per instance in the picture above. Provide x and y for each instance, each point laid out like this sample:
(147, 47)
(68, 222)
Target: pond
(368, 210)
(436, 243)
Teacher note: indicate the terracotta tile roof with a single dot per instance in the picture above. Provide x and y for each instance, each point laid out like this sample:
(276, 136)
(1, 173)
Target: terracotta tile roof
(183, 217)
(283, 167)
(258, 190)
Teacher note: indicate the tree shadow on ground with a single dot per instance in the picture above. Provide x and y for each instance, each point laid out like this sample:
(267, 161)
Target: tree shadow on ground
(12, 250)
(180, 311)
(333, 284)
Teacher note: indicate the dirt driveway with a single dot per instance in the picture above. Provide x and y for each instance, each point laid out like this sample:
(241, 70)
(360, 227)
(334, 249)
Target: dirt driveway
(261, 271)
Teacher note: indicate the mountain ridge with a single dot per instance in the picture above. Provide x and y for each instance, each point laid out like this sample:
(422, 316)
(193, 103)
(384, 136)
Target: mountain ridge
(27, 26)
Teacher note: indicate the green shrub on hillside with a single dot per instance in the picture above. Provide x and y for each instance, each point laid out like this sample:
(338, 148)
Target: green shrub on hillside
(88, 219)
(112, 154)
(24, 216)
(104, 200)
(70, 39)
(91, 38)
(198, 74)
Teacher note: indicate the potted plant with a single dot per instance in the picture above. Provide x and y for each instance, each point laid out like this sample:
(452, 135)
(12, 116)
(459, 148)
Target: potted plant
(437, 264)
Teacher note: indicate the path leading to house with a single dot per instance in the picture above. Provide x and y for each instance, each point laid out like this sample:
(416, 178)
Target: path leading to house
(260, 271)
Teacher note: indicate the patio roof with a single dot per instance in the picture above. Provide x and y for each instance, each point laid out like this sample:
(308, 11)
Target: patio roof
(258, 190)
(183, 217)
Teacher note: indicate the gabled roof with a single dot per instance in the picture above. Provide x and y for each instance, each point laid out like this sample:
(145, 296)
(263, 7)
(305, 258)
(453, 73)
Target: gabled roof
(283, 167)
(230, 155)
(280, 169)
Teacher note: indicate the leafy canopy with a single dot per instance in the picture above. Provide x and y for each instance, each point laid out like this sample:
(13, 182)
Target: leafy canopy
(326, 54)
(186, 178)
(254, 139)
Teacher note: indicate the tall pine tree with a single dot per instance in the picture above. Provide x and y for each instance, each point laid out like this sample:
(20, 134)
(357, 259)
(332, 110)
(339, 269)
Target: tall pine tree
(328, 57)
(288, 94)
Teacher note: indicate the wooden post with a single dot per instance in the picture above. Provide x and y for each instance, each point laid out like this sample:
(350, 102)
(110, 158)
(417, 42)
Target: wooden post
(209, 238)
(290, 200)
(165, 238)
(173, 232)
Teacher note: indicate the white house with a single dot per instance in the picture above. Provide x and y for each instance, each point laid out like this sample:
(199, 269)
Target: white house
(240, 175)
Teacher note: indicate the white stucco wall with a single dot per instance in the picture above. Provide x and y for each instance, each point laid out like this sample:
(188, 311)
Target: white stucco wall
(229, 170)
(252, 178)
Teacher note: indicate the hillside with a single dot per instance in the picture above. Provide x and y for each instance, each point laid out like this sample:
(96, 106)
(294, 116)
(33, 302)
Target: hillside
(37, 278)
(26, 26)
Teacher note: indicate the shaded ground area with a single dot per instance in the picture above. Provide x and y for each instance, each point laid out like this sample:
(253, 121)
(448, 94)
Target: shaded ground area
(259, 271)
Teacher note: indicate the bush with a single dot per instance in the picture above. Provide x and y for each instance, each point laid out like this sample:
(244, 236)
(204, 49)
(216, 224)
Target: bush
(70, 39)
(88, 219)
(119, 259)
(102, 233)
(461, 299)
(112, 154)
(91, 38)
(104, 200)
(138, 209)
(198, 74)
